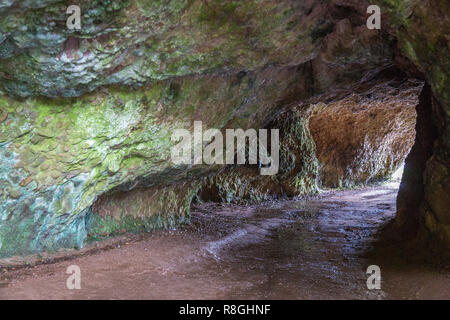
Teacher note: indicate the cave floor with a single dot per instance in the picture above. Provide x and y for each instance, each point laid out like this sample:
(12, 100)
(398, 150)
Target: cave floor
(301, 249)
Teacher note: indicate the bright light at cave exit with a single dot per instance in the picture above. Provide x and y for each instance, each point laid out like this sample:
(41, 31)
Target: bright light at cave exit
(397, 176)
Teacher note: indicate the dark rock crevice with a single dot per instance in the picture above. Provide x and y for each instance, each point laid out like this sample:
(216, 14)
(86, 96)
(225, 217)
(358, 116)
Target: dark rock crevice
(411, 193)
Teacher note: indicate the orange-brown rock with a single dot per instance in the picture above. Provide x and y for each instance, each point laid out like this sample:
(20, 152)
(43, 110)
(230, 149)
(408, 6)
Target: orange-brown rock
(365, 136)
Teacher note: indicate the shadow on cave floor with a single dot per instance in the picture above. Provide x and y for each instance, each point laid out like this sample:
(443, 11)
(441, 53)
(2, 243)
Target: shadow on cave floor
(300, 249)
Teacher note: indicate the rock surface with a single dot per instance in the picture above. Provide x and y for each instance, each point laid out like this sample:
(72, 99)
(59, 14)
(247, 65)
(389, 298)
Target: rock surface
(86, 116)
(422, 31)
(366, 136)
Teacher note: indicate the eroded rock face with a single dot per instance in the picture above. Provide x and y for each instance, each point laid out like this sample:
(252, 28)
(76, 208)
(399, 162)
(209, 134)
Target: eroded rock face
(58, 156)
(422, 31)
(297, 174)
(135, 42)
(423, 201)
(366, 136)
(143, 209)
(141, 69)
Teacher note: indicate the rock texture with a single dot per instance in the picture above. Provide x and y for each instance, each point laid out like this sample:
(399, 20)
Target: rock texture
(422, 30)
(366, 136)
(135, 42)
(298, 167)
(86, 116)
(58, 156)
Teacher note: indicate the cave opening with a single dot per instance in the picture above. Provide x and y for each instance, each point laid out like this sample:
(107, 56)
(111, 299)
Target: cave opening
(357, 138)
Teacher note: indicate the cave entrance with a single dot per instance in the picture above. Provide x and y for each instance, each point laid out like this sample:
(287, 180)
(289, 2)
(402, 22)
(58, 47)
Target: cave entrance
(360, 138)
(361, 141)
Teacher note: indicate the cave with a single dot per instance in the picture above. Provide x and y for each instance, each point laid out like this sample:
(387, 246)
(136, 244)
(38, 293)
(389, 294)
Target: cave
(87, 122)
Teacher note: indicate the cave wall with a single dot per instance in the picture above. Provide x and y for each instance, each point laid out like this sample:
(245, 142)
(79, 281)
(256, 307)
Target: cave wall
(59, 156)
(141, 210)
(423, 199)
(86, 116)
(298, 167)
(422, 30)
(365, 137)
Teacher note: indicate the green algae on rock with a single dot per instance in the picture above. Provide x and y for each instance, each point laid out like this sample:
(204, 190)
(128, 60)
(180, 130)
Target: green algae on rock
(298, 168)
(86, 116)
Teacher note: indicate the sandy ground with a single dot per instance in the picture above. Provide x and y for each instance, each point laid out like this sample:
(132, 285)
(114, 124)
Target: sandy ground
(303, 249)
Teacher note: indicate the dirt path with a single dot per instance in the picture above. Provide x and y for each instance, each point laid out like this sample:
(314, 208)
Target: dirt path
(315, 249)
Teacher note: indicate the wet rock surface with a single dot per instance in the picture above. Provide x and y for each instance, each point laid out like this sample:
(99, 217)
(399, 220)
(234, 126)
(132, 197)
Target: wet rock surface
(135, 42)
(304, 249)
(87, 114)
(202, 63)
